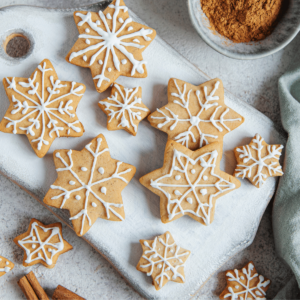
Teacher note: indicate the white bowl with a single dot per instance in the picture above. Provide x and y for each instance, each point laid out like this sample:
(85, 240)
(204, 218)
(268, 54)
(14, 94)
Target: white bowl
(286, 29)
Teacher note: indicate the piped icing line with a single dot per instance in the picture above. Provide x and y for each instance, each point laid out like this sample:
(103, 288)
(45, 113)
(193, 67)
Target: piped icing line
(39, 246)
(88, 187)
(110, 39)
(195, 120)
(183, 164)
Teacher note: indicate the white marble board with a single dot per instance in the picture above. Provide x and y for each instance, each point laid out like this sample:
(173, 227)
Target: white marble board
(237, 217)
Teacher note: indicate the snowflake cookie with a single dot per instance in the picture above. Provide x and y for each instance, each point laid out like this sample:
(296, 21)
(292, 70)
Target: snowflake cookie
(258, 161)
(110, 44)
(124, 108)
(5, 266)
(195, 115)
(42, 107)
(190, 182)
(245, 284)
(42, 244)
(89, 184)
(163, 260)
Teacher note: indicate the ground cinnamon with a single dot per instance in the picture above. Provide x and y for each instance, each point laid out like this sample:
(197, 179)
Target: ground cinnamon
(243, 20)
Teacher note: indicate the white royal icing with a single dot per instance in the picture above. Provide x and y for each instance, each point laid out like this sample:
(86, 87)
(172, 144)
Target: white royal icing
(125, 107)
(34, 239)
(110, 39)
(248, 290)
(260, 163)
(89, 185)
(124, 61)
(166, 262)
(101, 170)
(195, 120)
(5, 269)
(50, 108)
(77, 197)
(84, 169)
(182, 163)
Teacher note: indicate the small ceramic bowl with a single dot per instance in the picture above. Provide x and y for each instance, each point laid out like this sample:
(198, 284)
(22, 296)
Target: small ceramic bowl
(286, 29)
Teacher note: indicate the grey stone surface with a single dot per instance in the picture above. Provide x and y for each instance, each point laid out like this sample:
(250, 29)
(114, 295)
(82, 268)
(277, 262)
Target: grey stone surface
(84, 270)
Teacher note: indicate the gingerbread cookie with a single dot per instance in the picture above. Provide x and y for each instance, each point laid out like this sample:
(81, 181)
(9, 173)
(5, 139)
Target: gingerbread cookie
(195, 115)
(163, 260)
(258, 161)
(42, 244)
(5, 266)
(110, 44)
(42, 107)
(245, 284)
(89, 184)
(124, 108)
(190, 182)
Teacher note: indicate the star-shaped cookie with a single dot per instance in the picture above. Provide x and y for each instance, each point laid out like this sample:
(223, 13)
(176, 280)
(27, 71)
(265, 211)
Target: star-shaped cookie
(110, 44)
(245, 284)
(190, 182)
(195, 115)
(42, 244)
(42, 107)
(5, 266)
(89, 184)
(258, 161)
(124, 108)
(163, 260)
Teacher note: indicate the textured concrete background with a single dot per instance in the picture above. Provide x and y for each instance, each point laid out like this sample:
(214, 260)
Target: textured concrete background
(84, 270)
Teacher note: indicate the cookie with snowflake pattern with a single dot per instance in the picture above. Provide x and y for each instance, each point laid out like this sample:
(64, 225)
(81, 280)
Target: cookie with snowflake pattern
(195, 115)
(42, 107)
(42, 244)
(163, 260)
(89, 184)
(124, 108)
(5, 266)
(258, 161)
(245, 284)
(110, 44)
(190, 182)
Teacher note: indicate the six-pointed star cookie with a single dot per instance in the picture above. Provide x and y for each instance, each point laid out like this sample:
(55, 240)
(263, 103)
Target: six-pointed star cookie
(110, 44)
(5, 266)
(42, 244)
(195, 115)
(258, 161)
(190, 182)
(124, 108)
(42, 107)
(163, 260)
(89, 184)
(245, 284)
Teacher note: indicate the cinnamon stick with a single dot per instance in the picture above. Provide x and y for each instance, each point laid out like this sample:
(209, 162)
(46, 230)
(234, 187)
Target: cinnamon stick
(36, 286)
(62, 293)
(27, 289)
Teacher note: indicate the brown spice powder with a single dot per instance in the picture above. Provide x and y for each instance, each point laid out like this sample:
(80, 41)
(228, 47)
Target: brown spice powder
(243, 20)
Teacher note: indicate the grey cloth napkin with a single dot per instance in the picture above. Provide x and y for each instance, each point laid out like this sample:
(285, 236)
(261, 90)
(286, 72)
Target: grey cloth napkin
(286, 209)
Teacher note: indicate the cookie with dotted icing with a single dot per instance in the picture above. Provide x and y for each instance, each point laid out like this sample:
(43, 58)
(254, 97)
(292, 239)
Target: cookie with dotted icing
(42, 107)
(245, 284)
(163, 260)
(195, 115)
(5, 266)
(124, 108)
(42, 244)
(258, 161)
(89, 184)
(190, 182)
(110, 44)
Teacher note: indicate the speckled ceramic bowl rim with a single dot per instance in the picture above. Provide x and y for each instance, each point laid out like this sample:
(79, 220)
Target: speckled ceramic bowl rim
(237, 55)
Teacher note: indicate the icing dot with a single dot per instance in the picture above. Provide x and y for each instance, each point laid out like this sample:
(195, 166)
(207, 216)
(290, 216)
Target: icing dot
(136, 41)
(98, 22)
(33, 246)
(77, 197)
(159, 266)
(123, 61)
(189, 200)
(242, 277)
(100, 62)
(177, 193)
(236, 286)
(49, 249)
(121, 20)
(130, 28)
(85, 58)
(108, 16)
(7, 263)
(193, 171)
(109, 69)
(205, 177)
(72, 182)
(33, 238)
(84, 169)
(172, 250)
(177, 177)
(103, 190)
(101, 170)
(0, 259)
(203, 192)
(39, 255)
(87, 30)
(94, 204)
(88, 41)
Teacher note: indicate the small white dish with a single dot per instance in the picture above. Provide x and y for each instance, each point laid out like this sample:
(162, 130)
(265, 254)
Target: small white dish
(285, 31)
